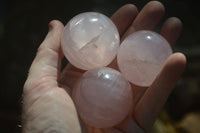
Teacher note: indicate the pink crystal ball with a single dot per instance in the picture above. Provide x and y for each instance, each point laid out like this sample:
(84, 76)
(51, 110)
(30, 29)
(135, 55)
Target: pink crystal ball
(141, 57)
(90, 40)
(103, 97)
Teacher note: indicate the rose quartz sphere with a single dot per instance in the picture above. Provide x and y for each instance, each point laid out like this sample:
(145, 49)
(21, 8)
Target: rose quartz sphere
(141, 57)
(90, 40)
(103, 97)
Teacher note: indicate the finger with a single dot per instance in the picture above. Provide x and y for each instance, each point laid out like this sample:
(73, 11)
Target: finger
(171, 29)
(138, 92)
(47, 61)
(129, 126)
(154, 98)
(124, 16)
(148, 17)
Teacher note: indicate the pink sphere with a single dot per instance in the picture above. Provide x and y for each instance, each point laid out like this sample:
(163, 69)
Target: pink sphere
(103, 97)
(90, 40)
(141, 57)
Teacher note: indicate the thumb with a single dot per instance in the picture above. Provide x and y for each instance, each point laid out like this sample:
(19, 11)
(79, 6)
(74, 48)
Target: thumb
(47, 107)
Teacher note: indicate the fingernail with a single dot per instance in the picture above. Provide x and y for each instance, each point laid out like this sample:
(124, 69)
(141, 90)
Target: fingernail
(50, 26)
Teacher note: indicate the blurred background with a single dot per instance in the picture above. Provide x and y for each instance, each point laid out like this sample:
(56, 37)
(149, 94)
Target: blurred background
(24, 24)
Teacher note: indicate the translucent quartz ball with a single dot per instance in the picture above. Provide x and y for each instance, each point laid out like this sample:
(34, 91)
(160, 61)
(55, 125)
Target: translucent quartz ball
(141, 57)
(90, 40)
(103, 97)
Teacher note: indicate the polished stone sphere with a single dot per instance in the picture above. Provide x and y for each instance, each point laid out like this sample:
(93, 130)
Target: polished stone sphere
(90, 40)
(103, 97)
(141, 57)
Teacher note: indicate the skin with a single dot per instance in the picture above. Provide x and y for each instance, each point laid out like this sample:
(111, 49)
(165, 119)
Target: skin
(47, 105)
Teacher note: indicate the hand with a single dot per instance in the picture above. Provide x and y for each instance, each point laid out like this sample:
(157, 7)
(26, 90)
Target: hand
(47, 105)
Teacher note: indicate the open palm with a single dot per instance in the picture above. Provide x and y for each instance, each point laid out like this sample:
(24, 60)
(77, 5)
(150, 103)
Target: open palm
(47, 104)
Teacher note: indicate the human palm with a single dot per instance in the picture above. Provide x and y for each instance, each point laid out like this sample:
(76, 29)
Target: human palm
(47, 104)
